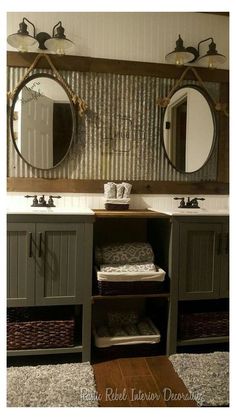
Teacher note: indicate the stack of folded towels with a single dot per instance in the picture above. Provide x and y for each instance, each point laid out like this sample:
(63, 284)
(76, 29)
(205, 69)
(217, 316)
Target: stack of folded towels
(126, 257)
(117, 193)
(123, 268)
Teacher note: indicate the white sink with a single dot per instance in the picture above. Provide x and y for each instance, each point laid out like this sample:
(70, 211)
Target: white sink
(192, 211)
(51, 211)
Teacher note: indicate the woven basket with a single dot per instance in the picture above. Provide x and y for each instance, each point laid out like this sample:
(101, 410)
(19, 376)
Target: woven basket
(200, 325)
(117, 207)
(133, 287)
(25, 332)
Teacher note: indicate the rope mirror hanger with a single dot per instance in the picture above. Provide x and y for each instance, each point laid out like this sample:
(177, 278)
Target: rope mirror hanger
(163, 102)
(76, 99)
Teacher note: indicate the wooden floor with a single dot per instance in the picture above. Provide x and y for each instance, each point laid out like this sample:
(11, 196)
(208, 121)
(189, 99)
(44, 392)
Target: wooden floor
(140, 382)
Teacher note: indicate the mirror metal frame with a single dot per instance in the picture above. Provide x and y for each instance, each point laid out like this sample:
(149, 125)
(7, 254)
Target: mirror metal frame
(14, 99)
(215, 126)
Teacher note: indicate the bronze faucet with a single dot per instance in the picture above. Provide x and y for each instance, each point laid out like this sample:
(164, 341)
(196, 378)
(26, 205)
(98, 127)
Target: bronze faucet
(190, 203)
(41, 202)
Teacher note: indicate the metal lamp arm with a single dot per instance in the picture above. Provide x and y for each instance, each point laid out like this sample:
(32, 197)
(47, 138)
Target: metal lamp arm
(24, 18)
(54, 27)
(204, 40)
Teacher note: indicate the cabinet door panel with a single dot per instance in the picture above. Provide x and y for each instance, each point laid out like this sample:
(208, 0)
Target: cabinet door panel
(20, 264)
(60, 264)
(199, 265)
(224, 282)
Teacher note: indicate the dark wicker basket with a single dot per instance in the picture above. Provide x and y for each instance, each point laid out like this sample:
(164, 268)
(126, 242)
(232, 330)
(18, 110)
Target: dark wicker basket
(117, 207)
(200, 325)
(132, 287)
(26, 331)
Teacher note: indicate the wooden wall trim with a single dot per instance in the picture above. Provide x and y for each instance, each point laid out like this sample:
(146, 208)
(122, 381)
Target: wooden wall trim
(96, 186)
(102, 65)
(223, 145)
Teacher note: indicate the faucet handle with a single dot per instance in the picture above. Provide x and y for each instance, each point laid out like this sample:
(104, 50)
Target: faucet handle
(35, 200)
(194, 202)
(182, 202)
(42, 200)
(50, 200)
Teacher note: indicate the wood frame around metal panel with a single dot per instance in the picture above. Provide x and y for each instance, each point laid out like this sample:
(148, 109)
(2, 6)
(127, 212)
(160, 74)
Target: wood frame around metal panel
(96, 186)
(104, 65)
(88, 64)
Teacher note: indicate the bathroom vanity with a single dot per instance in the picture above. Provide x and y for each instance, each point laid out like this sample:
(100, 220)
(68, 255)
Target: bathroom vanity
(199, 271)
(50, 264)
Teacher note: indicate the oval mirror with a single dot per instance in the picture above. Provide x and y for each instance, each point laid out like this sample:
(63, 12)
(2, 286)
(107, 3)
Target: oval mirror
(189, 129)
(42, 121)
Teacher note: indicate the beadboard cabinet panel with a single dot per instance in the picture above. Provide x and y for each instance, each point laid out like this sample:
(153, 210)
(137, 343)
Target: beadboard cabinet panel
(203, 271)
(59, 263)
(199, 260)
(20, 264)
(224, 283)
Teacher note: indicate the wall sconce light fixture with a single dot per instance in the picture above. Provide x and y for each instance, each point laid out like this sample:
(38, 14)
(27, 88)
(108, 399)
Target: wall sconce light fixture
(43, 41)
(182, 55)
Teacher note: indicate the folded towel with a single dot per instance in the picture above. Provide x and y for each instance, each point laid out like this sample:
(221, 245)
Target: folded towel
(121, 318)
(127, 189)
(110, 190)
(119, 190)
(130, 267)
(117, 201)
(124, 253)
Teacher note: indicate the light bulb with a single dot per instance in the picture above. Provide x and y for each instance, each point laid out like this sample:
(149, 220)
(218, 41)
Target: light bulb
(179, 59)
(60, 51)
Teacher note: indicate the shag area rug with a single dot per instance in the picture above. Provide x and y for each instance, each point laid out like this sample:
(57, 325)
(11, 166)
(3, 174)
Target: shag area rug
(206, 376)
(61, 385)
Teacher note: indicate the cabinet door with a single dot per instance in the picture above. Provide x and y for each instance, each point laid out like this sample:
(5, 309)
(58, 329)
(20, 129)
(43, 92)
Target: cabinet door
(224, 279)
(59, 263)
(20, 264)
(199, 260)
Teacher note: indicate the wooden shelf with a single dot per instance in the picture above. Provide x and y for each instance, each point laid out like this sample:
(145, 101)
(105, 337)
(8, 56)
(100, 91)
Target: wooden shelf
(203, 341)
(46, 351)
(108, 297)
(129, 214)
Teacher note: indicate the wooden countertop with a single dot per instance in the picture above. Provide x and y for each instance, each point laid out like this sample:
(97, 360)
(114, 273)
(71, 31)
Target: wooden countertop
(102, 213)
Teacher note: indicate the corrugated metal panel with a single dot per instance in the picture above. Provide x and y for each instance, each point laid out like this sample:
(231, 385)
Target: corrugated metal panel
(119, 138)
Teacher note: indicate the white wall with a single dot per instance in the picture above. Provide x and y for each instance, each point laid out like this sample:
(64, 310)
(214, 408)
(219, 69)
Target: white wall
(137, 36)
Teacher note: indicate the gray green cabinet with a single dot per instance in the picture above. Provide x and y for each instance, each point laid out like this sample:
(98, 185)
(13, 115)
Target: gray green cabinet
(198, 266)
(49, 262)
(202, 246)
(20, 264)
(46, 263)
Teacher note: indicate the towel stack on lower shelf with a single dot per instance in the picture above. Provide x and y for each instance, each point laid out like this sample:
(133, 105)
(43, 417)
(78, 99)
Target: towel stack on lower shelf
(125, 328)
(127, 268)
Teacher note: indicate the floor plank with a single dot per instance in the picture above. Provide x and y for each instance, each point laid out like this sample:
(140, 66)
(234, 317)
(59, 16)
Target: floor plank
(143, 392)
(140, 382)
(133, 367)
(110, 384)
(171, 386)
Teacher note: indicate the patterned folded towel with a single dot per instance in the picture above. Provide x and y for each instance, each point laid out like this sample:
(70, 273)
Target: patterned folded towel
(117, 190)
(124, 253)
(129, 267)
(110, 190)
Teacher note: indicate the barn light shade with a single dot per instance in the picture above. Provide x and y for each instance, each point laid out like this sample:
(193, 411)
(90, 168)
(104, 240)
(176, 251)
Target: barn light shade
(23, 41)
(185, 55)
